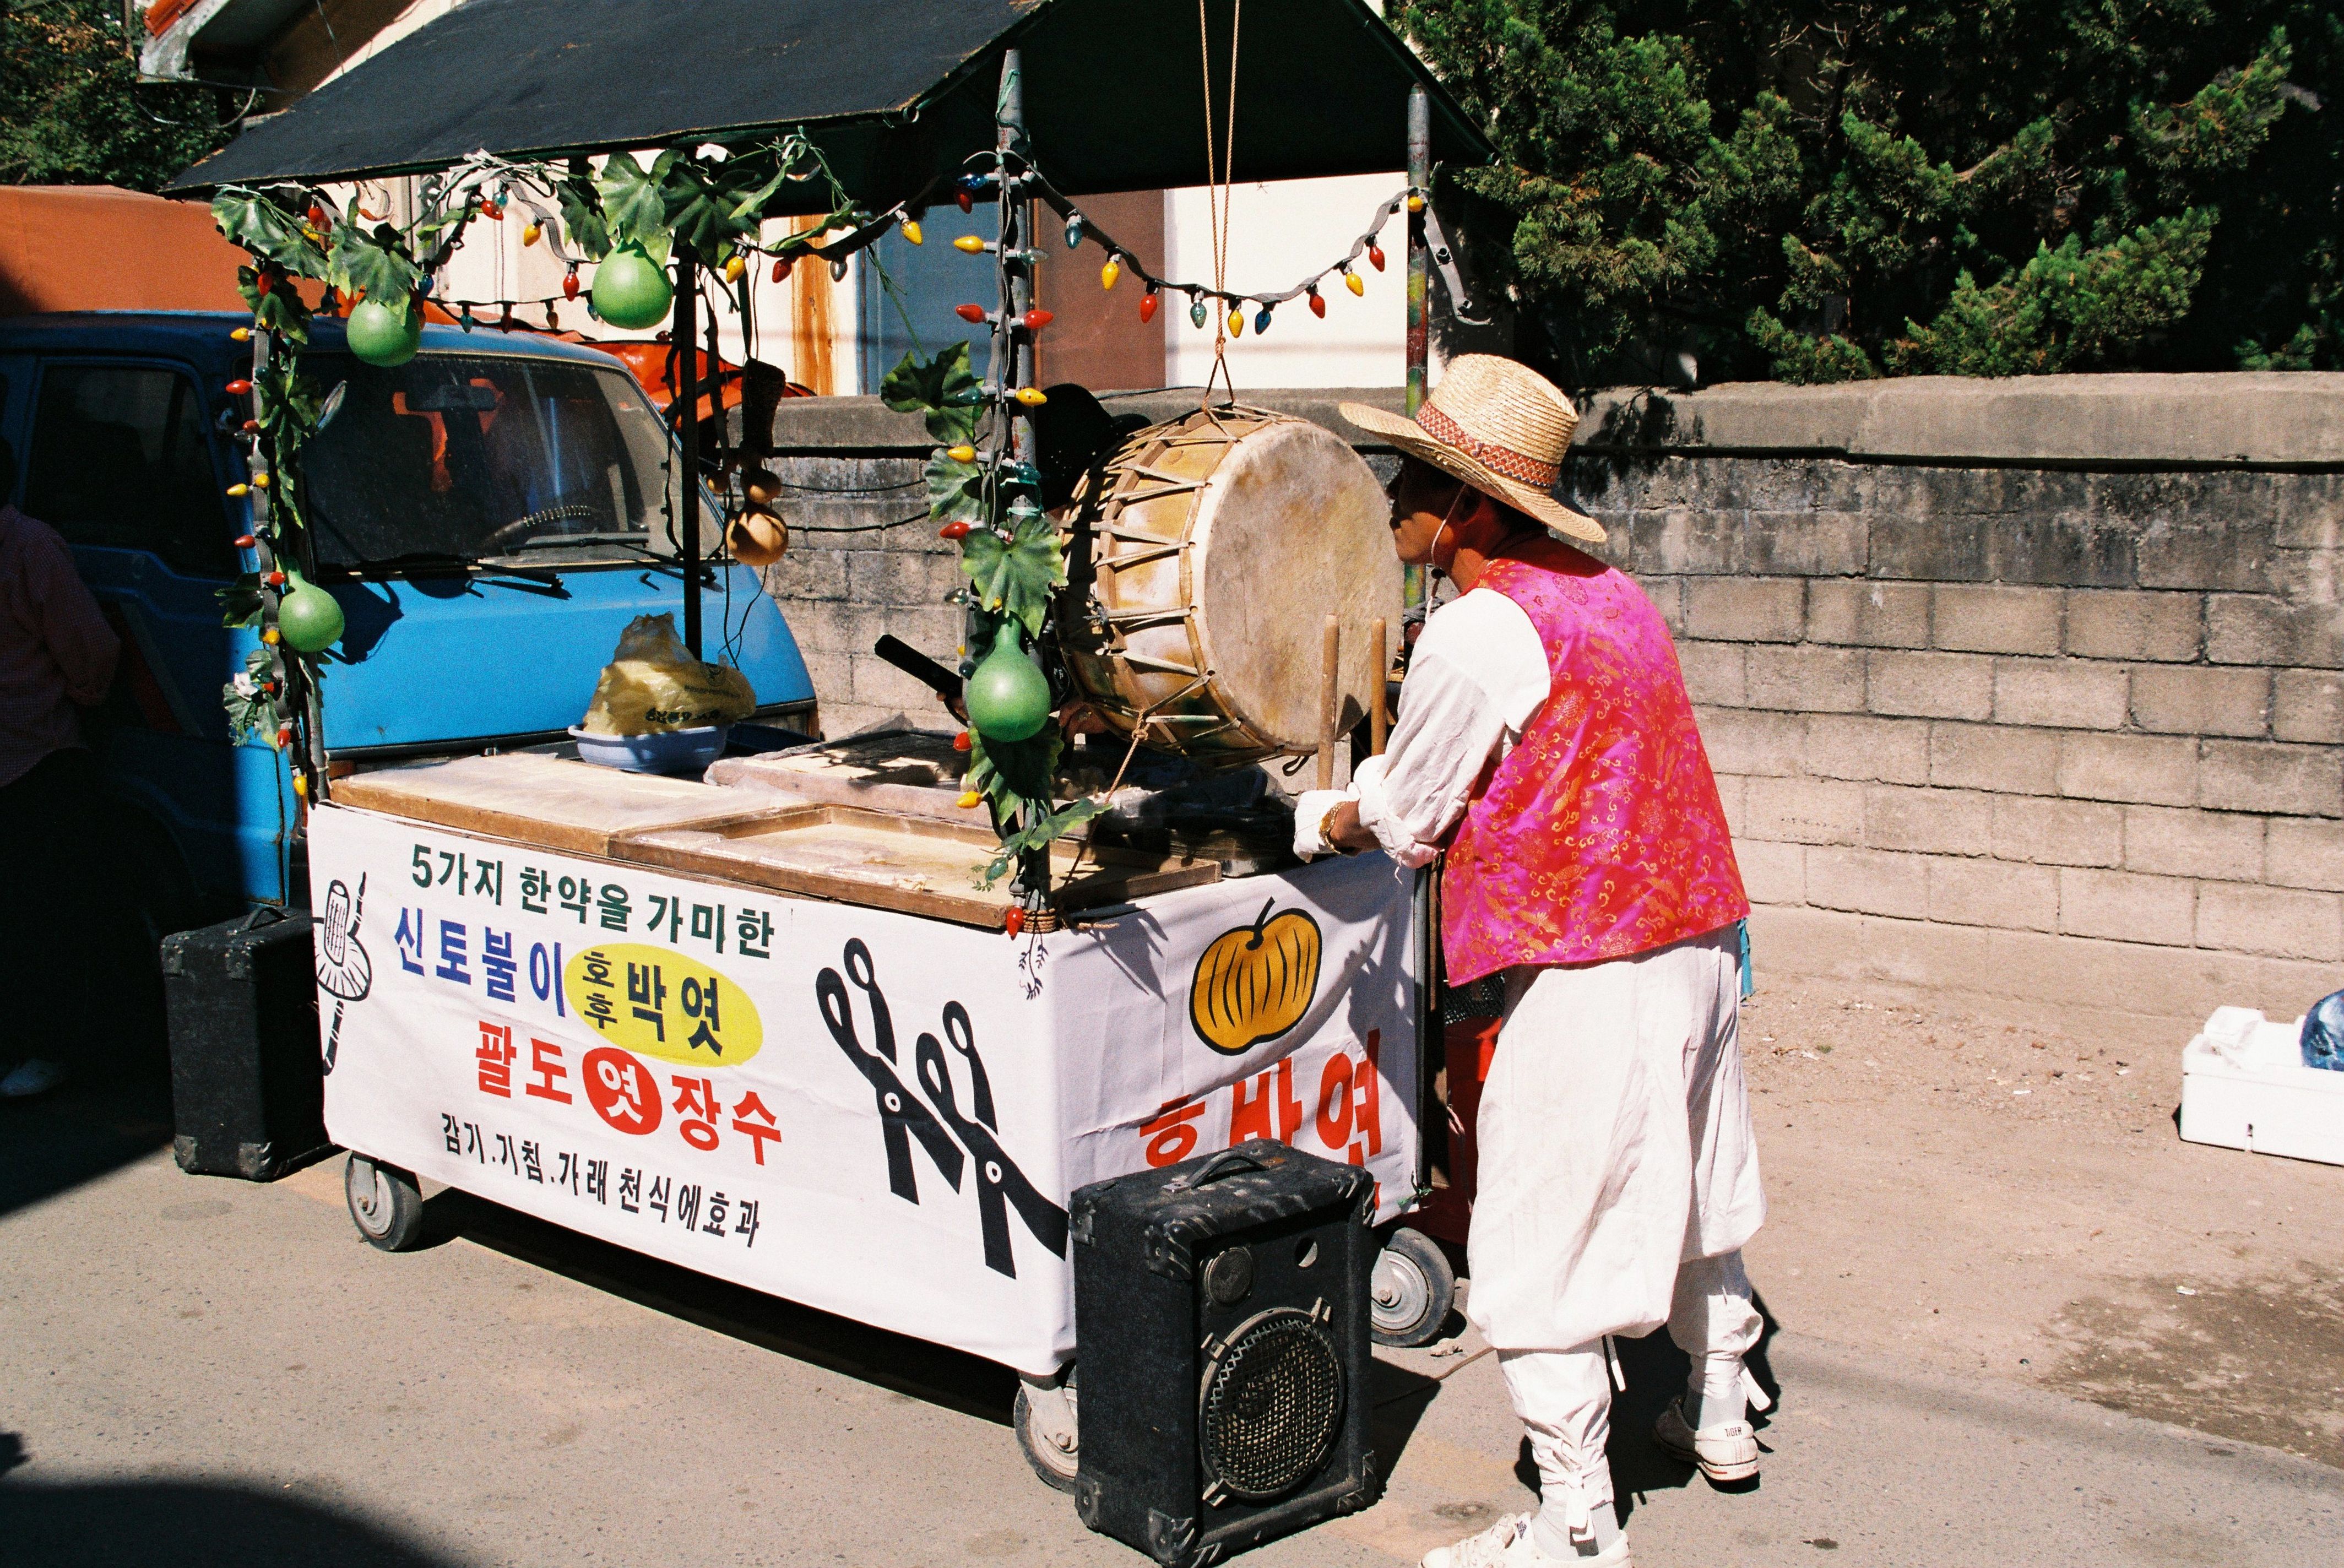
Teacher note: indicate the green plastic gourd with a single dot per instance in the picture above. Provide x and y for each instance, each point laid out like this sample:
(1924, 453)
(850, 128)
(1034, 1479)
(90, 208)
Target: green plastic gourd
(309, 617)
(632, 290)
(1009, 697)
(385, 335)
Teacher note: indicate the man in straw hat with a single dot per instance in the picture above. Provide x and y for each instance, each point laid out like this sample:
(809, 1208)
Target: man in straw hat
(1546, 742)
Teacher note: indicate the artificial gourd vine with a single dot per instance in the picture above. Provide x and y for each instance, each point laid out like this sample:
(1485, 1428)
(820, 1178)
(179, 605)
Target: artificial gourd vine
(625, 217)
(984, 496)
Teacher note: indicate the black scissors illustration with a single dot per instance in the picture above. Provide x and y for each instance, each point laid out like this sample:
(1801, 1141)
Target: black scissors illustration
(1000, 1184)
(901, 1114)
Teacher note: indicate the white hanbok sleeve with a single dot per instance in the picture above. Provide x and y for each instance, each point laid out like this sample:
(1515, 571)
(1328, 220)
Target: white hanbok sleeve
(1479, 673)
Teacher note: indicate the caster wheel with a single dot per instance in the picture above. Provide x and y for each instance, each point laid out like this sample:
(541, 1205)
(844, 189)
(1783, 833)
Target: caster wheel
(385, 1204)
(1047, 1437)
(1411, 1291)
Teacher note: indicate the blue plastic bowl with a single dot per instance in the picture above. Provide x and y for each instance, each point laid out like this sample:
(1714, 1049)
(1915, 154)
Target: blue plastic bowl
(660, 752)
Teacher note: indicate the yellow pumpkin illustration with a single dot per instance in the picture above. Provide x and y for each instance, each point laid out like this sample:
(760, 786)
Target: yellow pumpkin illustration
(1255, 982)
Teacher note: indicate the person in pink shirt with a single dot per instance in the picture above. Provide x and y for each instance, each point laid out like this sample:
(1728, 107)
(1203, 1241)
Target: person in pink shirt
(1546, 743)
(57, 656)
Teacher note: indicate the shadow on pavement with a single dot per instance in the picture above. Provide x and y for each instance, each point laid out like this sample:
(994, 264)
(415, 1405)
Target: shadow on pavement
(91, 1127)
(187, 1524)
(930, 1373)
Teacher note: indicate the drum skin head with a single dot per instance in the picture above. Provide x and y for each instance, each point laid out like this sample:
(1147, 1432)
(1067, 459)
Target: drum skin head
(1217, 546)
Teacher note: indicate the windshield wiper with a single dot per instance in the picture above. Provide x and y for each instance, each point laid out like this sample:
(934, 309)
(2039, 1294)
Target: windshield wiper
(410, 559)
(635, 542)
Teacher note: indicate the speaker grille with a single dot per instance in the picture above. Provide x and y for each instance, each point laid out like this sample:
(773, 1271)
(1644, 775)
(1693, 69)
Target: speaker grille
(1272, 1399)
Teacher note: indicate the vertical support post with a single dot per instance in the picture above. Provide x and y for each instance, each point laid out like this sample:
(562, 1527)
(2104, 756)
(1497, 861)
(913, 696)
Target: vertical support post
(1379, 710)
(1419, 280)
(687, 411)
(1017, 363)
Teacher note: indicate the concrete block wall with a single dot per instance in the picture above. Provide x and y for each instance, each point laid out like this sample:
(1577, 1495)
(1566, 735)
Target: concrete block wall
(2063, 728)
(2032, 689)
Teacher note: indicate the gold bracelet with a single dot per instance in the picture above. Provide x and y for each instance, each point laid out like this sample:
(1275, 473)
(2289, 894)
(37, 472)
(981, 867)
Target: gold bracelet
(1326, 829)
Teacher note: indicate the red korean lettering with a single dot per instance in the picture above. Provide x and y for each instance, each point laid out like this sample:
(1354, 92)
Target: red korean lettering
(1170, 1135)
(620, 1089)
(1335, 1102)
(1368, 1115)
(495, 1057)
(545, 1067)
(749, 1115)
(696, 1111)
(1270, 1110)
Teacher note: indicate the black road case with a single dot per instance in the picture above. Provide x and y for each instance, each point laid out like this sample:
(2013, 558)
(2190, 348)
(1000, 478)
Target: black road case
(248, 1089)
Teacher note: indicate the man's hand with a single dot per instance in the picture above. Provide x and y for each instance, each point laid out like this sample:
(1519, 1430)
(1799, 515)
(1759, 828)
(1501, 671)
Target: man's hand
(1344, 831)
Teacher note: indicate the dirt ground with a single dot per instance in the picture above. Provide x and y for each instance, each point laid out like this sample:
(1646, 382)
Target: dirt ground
(1988, 1195)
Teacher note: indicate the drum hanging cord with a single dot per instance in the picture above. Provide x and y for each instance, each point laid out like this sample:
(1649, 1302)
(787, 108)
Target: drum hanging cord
(1217, 196)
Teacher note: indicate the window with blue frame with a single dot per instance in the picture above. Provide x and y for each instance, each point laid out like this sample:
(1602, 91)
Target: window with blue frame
(927, 281)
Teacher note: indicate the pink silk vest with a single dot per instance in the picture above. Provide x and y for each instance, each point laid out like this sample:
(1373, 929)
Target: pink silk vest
(1600, 834)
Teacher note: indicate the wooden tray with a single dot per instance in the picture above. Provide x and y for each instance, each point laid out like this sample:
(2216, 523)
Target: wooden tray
(913, 772)
(528, 797)
(890, 862)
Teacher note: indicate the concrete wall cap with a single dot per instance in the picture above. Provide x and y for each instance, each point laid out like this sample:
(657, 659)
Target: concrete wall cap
(2260, 418)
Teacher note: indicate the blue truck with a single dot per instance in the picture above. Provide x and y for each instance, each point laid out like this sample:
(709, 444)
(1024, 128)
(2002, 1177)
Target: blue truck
(490, 515)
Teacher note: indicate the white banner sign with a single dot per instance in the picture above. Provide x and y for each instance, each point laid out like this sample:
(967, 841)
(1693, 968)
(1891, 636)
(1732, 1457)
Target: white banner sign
(871, 1113)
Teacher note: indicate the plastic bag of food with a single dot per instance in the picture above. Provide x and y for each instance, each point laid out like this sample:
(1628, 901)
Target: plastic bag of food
(653, 683)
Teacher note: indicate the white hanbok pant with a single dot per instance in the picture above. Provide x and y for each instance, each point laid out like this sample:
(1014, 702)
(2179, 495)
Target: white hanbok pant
(1618, 1179)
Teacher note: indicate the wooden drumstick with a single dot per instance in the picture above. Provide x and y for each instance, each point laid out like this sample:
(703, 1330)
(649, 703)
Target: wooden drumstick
(1330, 701)
(1379, 720)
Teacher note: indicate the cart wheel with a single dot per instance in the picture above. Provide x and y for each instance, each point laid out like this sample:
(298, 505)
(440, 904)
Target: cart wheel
(1412, 1289)
(1049, 1440)
(385, 1203)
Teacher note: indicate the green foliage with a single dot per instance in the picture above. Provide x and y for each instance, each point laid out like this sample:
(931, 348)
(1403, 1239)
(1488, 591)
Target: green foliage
(1826, 189)
(71, 110)
(944, 389)
(251, 698)
(1017, 568)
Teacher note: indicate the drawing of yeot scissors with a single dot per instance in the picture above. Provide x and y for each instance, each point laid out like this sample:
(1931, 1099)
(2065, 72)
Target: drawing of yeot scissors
(901, 1116)
(1000, 1184)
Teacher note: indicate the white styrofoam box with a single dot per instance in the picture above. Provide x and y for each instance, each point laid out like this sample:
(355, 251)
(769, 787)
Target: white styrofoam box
(2244, 1085)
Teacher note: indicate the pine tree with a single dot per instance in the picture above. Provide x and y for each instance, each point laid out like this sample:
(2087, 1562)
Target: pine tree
(1829, 189)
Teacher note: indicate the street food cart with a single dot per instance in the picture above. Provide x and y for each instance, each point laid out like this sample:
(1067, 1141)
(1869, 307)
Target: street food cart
(781, 1024)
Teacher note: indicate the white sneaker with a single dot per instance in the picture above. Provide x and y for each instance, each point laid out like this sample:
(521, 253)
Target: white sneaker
(36, 1077)
(1508, 1544)
(1726, 1451)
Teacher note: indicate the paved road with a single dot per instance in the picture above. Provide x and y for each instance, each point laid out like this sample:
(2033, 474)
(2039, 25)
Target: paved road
(199, 1371)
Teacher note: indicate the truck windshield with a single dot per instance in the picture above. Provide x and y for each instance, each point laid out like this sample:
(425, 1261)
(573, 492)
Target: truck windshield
(454, 457)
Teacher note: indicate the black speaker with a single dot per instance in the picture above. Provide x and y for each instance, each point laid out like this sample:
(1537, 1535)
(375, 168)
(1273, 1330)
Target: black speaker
(247, 1082)
(1222, 1333)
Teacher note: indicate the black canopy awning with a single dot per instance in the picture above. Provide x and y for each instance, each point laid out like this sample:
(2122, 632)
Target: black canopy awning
(895, 92)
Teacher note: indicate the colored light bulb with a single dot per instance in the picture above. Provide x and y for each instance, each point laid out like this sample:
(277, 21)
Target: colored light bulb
(1110, 272)
(970, 801)
(1236, 321)
(969, 312)
(1032, 396)
(969, 244)
(1075, 231)
(956, 530)
(1195, 312)
(246, 541)
(1415, 202)
(913, 233)
(962, 453)
(960, 741)
(1147, 306)
(1317, 305)
(1376, 257)
(239, 489)
(1261, 320)
(734, 266)
(966, 202)
(570, 285)
(1351, 281)
(1036, 319)
(531, 232)
(238, 388)
(241, 335)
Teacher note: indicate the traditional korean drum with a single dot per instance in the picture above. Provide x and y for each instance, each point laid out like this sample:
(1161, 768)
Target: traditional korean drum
(1203, 563)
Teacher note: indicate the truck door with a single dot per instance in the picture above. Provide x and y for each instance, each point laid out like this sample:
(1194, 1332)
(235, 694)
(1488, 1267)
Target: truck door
(122, 462)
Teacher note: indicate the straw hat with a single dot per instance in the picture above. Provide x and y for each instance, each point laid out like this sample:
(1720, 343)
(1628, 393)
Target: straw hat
(1500, 427)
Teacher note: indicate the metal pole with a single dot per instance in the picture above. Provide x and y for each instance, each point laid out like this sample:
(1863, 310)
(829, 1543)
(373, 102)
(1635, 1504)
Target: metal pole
(687, 399)
(1419, 278)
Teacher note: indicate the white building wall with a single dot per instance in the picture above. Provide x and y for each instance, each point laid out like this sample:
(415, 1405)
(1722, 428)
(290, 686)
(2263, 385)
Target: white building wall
(1279, 233)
